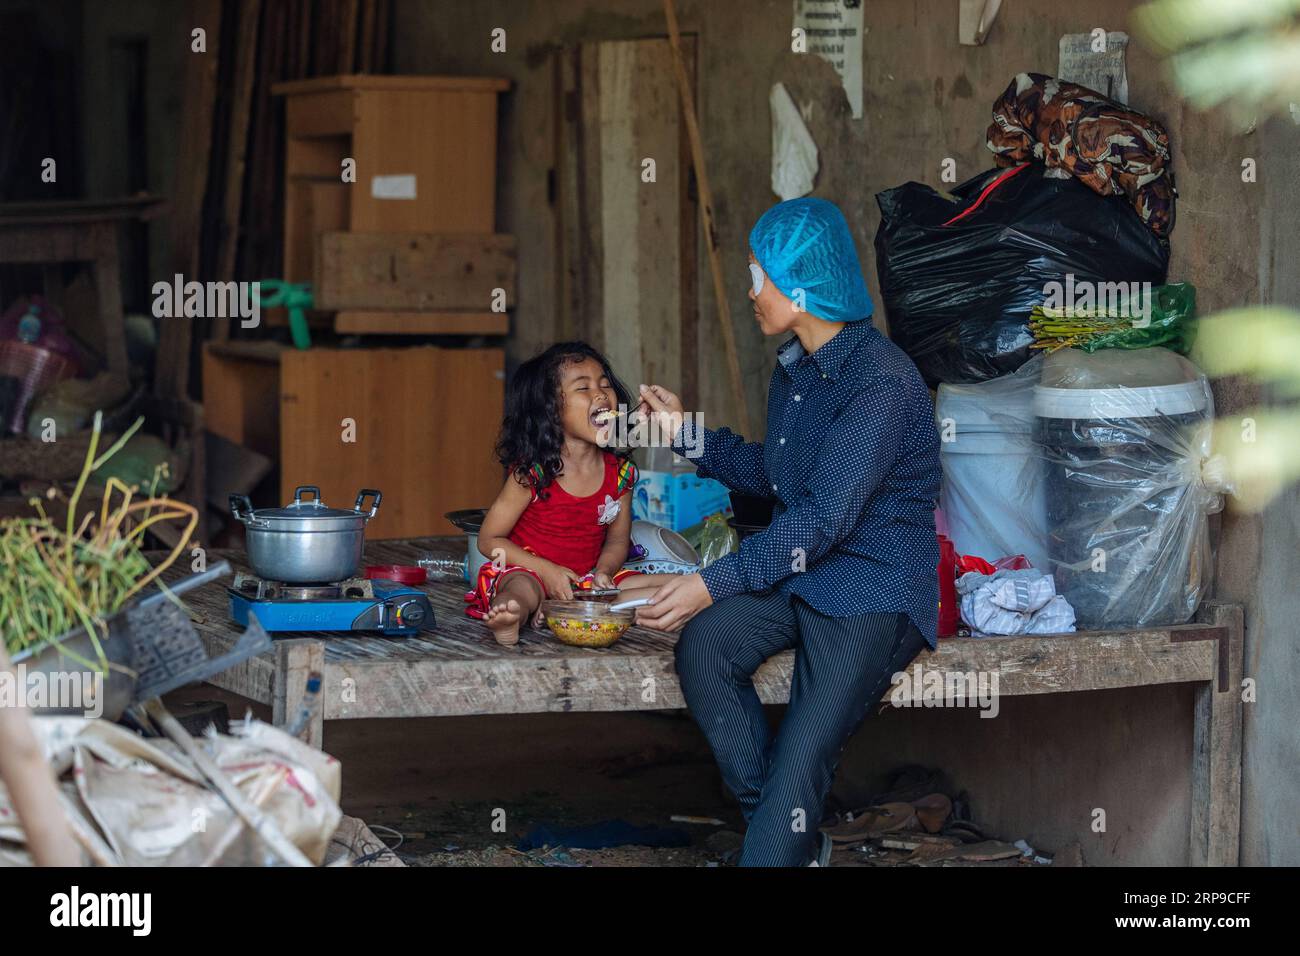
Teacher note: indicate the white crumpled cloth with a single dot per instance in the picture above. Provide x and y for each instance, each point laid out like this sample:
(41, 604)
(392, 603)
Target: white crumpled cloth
(1013, 602)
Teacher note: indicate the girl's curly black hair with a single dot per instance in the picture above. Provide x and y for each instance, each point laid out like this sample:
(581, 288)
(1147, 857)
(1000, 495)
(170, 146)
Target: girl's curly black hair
(531, 433)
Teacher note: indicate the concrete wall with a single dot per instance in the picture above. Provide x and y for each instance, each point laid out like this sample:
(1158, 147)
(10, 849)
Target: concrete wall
(926, 99)
(1046, 762)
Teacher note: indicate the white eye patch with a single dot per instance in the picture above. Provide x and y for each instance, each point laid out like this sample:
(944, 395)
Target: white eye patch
(757, 278)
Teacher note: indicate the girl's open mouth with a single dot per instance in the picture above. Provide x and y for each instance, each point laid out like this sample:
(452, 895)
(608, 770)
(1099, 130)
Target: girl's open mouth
(603, 416)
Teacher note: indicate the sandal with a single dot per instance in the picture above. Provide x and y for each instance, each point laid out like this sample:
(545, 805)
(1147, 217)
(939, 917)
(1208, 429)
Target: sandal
(873, 822)
(932, 811)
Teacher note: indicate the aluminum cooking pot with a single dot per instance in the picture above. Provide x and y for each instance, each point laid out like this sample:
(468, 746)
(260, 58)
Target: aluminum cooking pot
(305, 542)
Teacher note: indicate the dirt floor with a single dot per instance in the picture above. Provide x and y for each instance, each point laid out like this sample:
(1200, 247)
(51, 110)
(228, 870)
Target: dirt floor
(464, 791)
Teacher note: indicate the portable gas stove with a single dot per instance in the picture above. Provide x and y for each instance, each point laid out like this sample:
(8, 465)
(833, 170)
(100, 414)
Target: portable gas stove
(356, 604)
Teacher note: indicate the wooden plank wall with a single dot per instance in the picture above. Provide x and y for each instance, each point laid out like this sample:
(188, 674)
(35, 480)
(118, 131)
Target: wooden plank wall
(627, 264)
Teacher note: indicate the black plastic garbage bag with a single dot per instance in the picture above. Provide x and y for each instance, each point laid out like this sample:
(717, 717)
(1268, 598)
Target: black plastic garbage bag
(959, 273)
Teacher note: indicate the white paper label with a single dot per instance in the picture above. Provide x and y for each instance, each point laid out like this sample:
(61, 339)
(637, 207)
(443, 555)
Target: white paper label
(1095, 60)
(393, 187)
(834, 32)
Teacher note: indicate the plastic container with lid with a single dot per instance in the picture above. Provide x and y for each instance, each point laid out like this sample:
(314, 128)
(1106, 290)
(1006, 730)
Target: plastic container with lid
(1123, 435)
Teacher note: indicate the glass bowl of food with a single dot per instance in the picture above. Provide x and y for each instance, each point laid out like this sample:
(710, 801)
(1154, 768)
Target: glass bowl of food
(586, 623)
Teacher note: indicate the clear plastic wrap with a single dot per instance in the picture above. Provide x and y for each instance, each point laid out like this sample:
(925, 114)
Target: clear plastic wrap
(1121, 439)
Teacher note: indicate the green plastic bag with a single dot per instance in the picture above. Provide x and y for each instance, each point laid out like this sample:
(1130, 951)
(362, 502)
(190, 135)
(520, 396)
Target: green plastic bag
(1172, 325)
(717, 538)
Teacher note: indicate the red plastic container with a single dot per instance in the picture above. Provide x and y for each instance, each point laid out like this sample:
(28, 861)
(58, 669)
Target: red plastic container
(949, 611)
(401, 573)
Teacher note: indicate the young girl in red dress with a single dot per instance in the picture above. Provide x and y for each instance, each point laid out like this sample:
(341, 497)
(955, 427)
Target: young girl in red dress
(564, 515)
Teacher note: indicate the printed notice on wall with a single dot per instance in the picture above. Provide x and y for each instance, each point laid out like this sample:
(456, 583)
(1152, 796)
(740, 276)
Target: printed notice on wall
(833, 30)
(1095, 60)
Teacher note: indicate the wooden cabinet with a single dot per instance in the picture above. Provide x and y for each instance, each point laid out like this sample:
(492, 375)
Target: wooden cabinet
(418, 423)
(423, 155)
(406, 246)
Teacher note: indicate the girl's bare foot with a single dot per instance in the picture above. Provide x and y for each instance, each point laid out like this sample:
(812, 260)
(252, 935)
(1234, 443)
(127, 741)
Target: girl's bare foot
(504, 619)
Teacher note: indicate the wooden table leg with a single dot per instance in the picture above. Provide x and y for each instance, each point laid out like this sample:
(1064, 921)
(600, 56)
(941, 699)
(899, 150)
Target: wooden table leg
(295, 658)
(1216, 749)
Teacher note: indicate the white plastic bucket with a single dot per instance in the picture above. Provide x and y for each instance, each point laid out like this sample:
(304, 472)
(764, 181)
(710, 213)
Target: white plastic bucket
(992, 492)
(1150, 401)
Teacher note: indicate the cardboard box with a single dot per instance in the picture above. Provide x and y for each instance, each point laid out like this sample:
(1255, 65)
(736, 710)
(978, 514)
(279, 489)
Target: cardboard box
(678, 499)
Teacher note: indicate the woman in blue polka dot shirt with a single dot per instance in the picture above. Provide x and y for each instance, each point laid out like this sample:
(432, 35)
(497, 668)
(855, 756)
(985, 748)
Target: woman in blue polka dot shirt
(846, 572)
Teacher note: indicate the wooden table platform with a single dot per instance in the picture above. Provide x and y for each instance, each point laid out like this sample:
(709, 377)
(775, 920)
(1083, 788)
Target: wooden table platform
(460, 670)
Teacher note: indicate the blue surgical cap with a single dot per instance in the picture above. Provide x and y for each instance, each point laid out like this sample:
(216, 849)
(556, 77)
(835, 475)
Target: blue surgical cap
(805, 244)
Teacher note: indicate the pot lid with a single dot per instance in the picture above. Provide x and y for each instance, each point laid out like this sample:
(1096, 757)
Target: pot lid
(314, 508)
(310, 510)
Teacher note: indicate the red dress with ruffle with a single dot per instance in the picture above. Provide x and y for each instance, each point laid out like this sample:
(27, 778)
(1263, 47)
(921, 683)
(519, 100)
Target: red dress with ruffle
(562, 528)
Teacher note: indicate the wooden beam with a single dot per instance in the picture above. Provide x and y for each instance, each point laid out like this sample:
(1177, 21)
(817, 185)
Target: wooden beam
(709, 223)
(383, 27)
(423, 84)
(1215, 838)
(422, 323)
(295, 660)
(365, 62)
(250, 18)
(142, 207)
(564, 177)
(347, 36)
(417, 272)
(189, 184)
(688, 252)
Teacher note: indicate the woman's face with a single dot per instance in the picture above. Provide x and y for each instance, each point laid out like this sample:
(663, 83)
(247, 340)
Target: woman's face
(774, 313)
(585, 390)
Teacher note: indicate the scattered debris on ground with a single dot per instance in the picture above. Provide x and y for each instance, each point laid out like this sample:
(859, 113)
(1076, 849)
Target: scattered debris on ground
(355, 844)
(910, 824)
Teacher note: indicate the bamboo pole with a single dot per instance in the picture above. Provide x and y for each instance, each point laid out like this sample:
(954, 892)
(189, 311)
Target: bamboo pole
(236, 827)
(32, 788)
(707, 221)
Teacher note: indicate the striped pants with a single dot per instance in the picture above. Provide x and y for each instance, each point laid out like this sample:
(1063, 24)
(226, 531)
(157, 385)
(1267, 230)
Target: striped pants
(842, 668)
